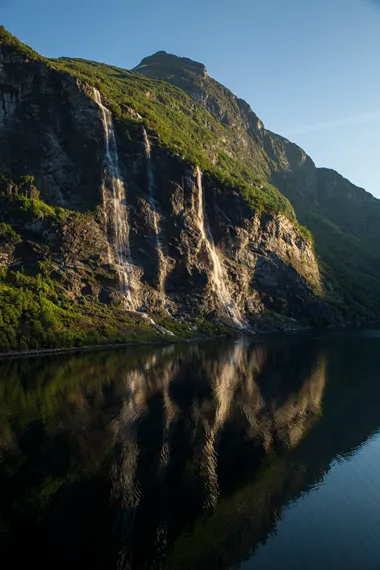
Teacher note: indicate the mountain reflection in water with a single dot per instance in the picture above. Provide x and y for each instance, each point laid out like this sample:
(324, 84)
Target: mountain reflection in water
(177, 457)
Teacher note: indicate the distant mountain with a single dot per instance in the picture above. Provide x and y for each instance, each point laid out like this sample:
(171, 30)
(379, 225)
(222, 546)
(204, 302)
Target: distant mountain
(134, 204)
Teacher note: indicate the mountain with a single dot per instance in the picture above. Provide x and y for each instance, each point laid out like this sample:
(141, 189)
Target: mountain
(344, 220)
(138, 204)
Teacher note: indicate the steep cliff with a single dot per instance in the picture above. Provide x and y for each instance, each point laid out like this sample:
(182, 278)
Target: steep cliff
(123, 197)
(128, 196)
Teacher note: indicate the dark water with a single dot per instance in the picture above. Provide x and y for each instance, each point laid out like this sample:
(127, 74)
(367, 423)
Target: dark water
(233, 454)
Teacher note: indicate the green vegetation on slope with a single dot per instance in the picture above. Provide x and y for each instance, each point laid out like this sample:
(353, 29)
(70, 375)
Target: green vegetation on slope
(37, 313)
(350, 268)
(345, 224)
(7, 39)
(36, 310)
(241, 160)
(183, 126)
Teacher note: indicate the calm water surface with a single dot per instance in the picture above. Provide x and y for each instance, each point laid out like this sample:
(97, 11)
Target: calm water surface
(230, 454)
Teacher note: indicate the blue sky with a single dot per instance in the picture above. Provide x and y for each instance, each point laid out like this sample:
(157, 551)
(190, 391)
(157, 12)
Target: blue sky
(310, 70)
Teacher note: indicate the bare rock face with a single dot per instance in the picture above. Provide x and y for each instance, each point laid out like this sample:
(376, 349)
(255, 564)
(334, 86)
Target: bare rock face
(48, 129)
(195, 246)
(266, 263)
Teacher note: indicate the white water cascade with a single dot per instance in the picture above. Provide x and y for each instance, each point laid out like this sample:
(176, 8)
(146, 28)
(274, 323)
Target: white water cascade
(217, 277)
(114, 202)
(116, 214)
(160, 255)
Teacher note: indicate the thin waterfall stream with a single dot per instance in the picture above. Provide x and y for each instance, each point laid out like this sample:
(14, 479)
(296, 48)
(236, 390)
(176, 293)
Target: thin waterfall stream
(150, 177)
(114, 202)
(217, 276)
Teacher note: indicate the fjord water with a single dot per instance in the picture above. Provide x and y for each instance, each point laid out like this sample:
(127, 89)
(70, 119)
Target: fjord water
(230, 454)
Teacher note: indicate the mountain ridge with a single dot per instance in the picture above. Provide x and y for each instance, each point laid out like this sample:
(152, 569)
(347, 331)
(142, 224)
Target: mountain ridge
(159, 73)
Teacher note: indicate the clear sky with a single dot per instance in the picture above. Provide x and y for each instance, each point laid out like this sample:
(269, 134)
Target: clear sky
(309, 69)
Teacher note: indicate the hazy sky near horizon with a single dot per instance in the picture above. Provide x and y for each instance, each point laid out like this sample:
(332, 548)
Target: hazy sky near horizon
(310, 70)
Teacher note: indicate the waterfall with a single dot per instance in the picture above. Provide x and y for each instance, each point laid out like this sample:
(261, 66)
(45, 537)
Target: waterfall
(114, 202)
(150, 177)
(217, 277)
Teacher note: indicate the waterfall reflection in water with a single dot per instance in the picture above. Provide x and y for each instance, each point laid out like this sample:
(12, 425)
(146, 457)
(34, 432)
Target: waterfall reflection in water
(173, 457)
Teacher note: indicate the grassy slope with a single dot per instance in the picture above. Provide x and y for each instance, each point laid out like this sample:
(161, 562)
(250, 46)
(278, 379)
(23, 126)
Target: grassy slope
(36, 310)
(345, 224)
(7, 39)
(184, 127)
(350, 264)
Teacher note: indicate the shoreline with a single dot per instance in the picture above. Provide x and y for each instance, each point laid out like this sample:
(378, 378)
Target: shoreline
(34, 353)
(37, 352)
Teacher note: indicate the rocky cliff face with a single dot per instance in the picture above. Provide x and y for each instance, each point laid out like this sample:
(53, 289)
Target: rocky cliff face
(48, 130)
(132, 221)
(343, 219)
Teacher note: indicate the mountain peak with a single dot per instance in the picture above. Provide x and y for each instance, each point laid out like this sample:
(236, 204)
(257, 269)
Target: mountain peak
(163, 65)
